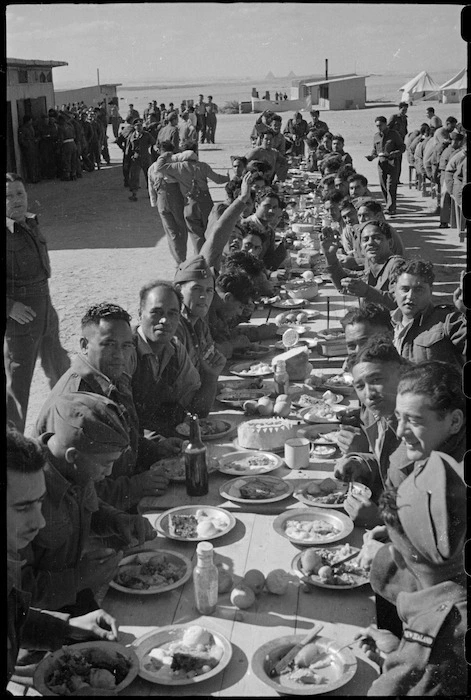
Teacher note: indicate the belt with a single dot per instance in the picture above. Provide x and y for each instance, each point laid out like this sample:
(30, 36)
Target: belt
(68, 141)
(28, 290)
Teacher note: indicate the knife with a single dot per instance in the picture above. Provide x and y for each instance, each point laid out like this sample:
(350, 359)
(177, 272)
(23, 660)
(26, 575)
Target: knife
(289, 657)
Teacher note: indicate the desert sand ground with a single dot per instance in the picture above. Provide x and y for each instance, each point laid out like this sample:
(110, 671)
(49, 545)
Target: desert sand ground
(104, 247)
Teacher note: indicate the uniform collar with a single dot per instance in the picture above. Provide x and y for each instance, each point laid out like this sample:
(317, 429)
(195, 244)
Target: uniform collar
(11, 222)
(145, 349)
(397, 318)
(409, 604)
(82, 366)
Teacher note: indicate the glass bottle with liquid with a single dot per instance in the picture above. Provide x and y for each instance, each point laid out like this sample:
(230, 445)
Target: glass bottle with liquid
(281, 378)
(196, 465)
(205, 579)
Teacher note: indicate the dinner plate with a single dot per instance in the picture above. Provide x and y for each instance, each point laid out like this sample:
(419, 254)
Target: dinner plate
(360, 579)
(309, 342)
(331, 333)
(315, 400)
(231, 488)
(226, 520)
(289, 304)
(174, 633)
(295, 326)
(174, 467)
(52, 661)
(250, 353)
(237, 397)
(337, 385)
(342, 523)
(337, 674)
(304, 497)
(310, 415)
(142, 557)
(249, 463)
(244, 369)
(224, 428)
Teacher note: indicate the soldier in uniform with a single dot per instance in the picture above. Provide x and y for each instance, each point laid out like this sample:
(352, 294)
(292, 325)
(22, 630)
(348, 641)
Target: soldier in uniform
(28, 141)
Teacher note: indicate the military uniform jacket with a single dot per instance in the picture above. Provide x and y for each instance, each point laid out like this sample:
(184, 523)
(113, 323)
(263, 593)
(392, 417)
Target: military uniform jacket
(81, 376)
(434, 621)
(196, 338)
(164, 387)
(378, 279)
(437, 334)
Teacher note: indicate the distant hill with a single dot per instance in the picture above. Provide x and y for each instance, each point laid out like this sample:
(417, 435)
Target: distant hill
(291, 75)
(270, 76)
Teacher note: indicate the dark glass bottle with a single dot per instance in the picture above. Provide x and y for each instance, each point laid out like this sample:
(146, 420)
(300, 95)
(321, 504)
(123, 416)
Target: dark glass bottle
(196, 466)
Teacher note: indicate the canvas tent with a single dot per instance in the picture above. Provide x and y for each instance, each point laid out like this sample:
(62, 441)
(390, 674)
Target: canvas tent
(454, 89)
(421, 87)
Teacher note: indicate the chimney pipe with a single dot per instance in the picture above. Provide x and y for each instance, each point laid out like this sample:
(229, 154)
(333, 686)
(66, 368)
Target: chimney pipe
(327, 69)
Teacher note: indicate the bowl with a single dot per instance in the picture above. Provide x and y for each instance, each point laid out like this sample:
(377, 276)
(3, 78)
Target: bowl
(337, 526)
(162, 524)
(174, 633)
(111, 650)
(142, 556)
(341, 670)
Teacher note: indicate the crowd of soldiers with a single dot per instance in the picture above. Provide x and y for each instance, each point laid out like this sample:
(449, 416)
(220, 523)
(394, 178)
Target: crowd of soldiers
(64, 143)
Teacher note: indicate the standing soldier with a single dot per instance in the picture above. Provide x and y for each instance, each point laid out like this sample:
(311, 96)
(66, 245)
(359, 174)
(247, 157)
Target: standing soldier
(68, 147)
(211, 119)
(115, 119)
(388, 146)
(138, 147)
(200, 110)
(47, 143)
(29, 149)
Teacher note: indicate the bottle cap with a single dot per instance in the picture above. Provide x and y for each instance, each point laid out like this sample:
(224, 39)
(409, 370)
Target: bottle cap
(204, 548)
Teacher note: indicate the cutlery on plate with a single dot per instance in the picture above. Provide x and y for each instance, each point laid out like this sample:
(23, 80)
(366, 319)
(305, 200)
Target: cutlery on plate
(285, 661)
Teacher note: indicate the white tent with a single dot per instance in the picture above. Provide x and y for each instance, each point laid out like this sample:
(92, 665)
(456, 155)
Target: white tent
(454, 89)
(421, 87)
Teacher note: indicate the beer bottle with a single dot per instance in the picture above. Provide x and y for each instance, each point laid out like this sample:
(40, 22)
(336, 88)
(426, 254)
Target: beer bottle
(196, 468)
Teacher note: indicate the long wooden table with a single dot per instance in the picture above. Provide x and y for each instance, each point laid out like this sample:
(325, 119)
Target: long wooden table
(253, 543)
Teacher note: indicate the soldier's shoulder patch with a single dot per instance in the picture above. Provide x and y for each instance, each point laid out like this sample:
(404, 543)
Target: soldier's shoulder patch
(425, 640)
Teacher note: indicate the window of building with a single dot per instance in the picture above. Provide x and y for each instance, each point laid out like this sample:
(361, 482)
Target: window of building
(42, 78)
(22, 76)
(49, 76)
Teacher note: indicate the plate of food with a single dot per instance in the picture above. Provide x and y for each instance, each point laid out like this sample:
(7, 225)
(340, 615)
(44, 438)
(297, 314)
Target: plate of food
(195, 523)
(256, 489)
(249, 463)
(331, 333)
(314, 565)
(313, 526)
(211, 429)
(237, 397)
(288, 304)
(86, 666)
(309, 400)
(322, 412)
(181, 654)
(252, 369)
(147, 572)
(251, 352)
(329, 493)
(319, 667)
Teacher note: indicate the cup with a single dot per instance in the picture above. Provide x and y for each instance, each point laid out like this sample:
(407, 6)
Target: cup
(297, 453)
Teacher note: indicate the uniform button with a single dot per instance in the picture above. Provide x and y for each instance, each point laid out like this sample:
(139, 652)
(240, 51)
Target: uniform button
(75, 374)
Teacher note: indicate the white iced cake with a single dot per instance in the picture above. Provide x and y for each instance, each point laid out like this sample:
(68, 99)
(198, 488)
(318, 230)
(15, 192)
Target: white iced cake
(266, 433)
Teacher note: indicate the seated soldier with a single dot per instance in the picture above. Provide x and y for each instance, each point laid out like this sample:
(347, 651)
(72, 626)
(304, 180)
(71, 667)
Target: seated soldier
(166, 384)
(267, 216)
(358, 187)
(224, 232)
(374, 283)
(423, 331)
(103, 367)
(426, 524)
(338, 143)
(278, 165)
(234, 291)
(28, 627)
(372, 210)
(63, 568)
(195, 281)
(249, 263)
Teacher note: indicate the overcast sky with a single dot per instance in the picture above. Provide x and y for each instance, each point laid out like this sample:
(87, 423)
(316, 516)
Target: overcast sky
(133, 42)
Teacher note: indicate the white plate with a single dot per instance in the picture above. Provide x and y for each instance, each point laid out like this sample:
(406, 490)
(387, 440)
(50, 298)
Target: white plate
(237, 397)
(172, 633)
(226, 428)
(241, 368)
(304, 497)
(331, 334)
(111, 649)
(295, 326)
(309, 415)
(341, 522)
(309, 342)
(143, 556)
(174, 467)
(230, 489)
(316, 400)
(341, 670)
(236, 463)
(289, 304)
(163, 520)
(313, 580)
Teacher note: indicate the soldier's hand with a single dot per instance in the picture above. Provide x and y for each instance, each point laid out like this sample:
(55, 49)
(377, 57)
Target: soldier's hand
(21, 313)
(150, 483)
(98, 567)
(168, 447)
(351, 469)
(349, 439)
(133, 527)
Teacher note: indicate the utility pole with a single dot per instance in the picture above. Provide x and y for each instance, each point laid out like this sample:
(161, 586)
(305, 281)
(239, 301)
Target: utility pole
(98, 76)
